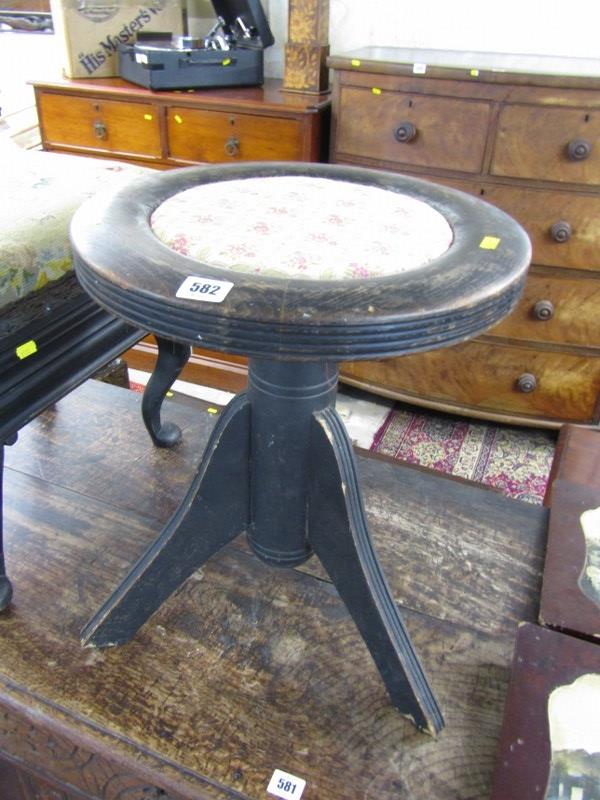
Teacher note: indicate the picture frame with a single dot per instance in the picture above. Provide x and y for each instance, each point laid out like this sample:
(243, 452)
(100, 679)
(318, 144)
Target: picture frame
(570, 597)
(550, 740)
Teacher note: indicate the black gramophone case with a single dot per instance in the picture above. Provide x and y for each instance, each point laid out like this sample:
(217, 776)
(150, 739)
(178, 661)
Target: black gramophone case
(230, 55)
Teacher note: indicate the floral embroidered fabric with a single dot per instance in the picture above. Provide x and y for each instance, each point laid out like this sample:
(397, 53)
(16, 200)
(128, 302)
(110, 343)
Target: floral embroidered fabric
(302, 227)
(41, 192)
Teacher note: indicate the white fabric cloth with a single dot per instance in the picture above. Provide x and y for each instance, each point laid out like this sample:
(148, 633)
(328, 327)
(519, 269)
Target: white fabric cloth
(302, 227)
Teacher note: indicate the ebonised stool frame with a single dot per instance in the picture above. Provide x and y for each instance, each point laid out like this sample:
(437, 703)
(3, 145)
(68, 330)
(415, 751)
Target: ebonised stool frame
(73, 338)
(279, 464)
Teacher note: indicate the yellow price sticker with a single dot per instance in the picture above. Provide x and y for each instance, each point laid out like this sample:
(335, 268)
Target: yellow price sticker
(489, 243)
(474, 73)
(226, 62)
(178, 119)
(212, 410)
(355, 62)
(376, 91)
(26, 349)
(148, 117)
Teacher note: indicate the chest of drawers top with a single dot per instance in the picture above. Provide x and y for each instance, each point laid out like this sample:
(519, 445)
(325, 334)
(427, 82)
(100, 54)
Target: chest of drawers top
(458, 113)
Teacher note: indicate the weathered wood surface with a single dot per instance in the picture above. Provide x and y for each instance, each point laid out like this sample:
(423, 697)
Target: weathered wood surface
(246, 668)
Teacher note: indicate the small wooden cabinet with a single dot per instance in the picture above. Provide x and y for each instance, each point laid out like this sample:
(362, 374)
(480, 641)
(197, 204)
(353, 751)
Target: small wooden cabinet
(524, 134)
(111, 118)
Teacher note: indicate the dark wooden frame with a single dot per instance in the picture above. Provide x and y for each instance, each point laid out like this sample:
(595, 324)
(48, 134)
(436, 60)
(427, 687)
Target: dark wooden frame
(563, 604)
(543, 661)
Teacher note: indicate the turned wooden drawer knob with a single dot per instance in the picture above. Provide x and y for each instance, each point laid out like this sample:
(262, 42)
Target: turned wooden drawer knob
(100, 130)
(543, 310)
(578, 149)
(526, 382)
(405, 132)
(232, 147)
(561, 231)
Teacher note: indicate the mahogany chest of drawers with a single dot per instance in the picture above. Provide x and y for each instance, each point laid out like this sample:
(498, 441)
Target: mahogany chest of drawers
(111, 118)
(524, 137)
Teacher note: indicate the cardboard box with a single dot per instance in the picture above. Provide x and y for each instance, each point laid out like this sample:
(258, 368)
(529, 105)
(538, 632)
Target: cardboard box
(89, 30)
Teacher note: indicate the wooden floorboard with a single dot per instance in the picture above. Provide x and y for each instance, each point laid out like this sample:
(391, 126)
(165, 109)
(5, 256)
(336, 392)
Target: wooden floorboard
(246, 668)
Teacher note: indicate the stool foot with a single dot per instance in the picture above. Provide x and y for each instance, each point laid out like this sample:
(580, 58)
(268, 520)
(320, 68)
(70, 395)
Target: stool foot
(5, 584)
(214, 511)
(338, 532)
(5, 592)
(172, 358)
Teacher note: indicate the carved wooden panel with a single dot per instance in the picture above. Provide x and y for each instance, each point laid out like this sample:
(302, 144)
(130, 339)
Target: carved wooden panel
(58, 763)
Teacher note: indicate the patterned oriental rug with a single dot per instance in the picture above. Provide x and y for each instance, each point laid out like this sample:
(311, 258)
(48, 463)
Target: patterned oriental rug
(514, 460)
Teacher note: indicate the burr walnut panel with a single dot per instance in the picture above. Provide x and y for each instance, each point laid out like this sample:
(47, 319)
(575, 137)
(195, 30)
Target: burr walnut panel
(489, 378)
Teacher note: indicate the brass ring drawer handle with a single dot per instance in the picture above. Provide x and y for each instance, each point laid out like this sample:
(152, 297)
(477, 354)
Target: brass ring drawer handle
(100, 130)
(526, 382)
(232, 147)
(543, 310)
(561, 231)
(578, 149)
(405, 132)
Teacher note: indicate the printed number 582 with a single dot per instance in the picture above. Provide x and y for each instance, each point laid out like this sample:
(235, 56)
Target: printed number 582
(204, 288)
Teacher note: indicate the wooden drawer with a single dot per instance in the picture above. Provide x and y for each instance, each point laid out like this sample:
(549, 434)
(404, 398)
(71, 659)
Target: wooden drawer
(480, 376)
(556, 308)
(575, 246)
(448, 133)
(564, 227)
(105, 126)
(533, 142)
(214, 136)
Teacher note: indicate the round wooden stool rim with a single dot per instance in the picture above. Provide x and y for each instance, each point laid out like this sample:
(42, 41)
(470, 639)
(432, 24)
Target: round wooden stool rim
(122, 263)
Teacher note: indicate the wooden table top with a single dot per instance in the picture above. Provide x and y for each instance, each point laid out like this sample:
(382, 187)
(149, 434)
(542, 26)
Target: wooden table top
(247, 669)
